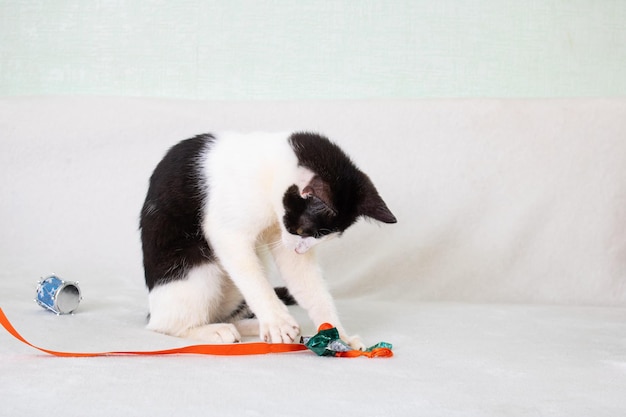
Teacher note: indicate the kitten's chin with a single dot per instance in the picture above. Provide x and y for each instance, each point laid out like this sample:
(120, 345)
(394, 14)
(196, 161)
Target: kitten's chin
(304, 245)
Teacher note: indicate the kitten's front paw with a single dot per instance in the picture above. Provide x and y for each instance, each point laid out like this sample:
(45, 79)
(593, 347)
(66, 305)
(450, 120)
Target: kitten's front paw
(282, 329)
(354, 342)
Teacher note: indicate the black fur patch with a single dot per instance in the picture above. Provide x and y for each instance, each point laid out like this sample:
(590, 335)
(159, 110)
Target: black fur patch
(346, 193)
(171, 217)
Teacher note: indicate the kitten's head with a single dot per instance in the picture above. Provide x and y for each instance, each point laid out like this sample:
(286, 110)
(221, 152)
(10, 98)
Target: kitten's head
(336, 194)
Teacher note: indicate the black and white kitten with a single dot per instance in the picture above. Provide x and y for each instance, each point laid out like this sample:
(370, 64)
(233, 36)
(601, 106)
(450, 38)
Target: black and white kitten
(215, 200)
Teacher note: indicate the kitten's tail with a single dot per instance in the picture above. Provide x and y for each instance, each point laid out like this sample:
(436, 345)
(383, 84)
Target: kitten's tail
(285, 296)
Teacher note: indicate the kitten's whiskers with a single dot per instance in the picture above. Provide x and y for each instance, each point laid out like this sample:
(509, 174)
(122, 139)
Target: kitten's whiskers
(266, 247)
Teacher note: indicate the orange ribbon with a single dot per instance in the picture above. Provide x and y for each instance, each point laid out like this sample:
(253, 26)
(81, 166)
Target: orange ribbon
(381, 352)
(230, 349)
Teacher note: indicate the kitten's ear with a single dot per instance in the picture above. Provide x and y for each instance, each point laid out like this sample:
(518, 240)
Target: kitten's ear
(319, 188)
(375, 208)
(378, 211)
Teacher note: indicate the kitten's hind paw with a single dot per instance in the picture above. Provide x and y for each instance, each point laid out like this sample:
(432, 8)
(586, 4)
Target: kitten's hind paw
(215, 333)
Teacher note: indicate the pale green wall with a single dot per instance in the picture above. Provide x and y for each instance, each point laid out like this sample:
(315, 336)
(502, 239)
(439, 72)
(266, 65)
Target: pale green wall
(313, 49)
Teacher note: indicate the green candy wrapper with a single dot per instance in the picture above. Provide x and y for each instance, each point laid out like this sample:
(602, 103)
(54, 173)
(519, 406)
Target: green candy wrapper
(327, 343)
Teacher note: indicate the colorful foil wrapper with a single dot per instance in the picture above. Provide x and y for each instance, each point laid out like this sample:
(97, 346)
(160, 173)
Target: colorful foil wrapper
(327, 343)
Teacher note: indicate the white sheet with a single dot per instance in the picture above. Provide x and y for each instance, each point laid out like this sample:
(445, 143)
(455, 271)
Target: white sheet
(516, 203)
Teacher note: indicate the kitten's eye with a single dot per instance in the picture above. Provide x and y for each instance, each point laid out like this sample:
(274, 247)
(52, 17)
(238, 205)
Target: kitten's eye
(299, 231)
(322, 232)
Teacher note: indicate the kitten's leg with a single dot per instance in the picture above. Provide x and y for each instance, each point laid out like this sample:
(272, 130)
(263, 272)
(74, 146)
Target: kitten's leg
(305, 282)
(247, 327)
(187, 307)
(238, 257)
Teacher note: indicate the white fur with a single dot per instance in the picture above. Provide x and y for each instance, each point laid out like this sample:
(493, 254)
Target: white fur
(247, 176)
(191, 307)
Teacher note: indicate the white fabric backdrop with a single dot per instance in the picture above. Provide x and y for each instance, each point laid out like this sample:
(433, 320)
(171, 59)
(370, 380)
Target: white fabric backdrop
(518, 203)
